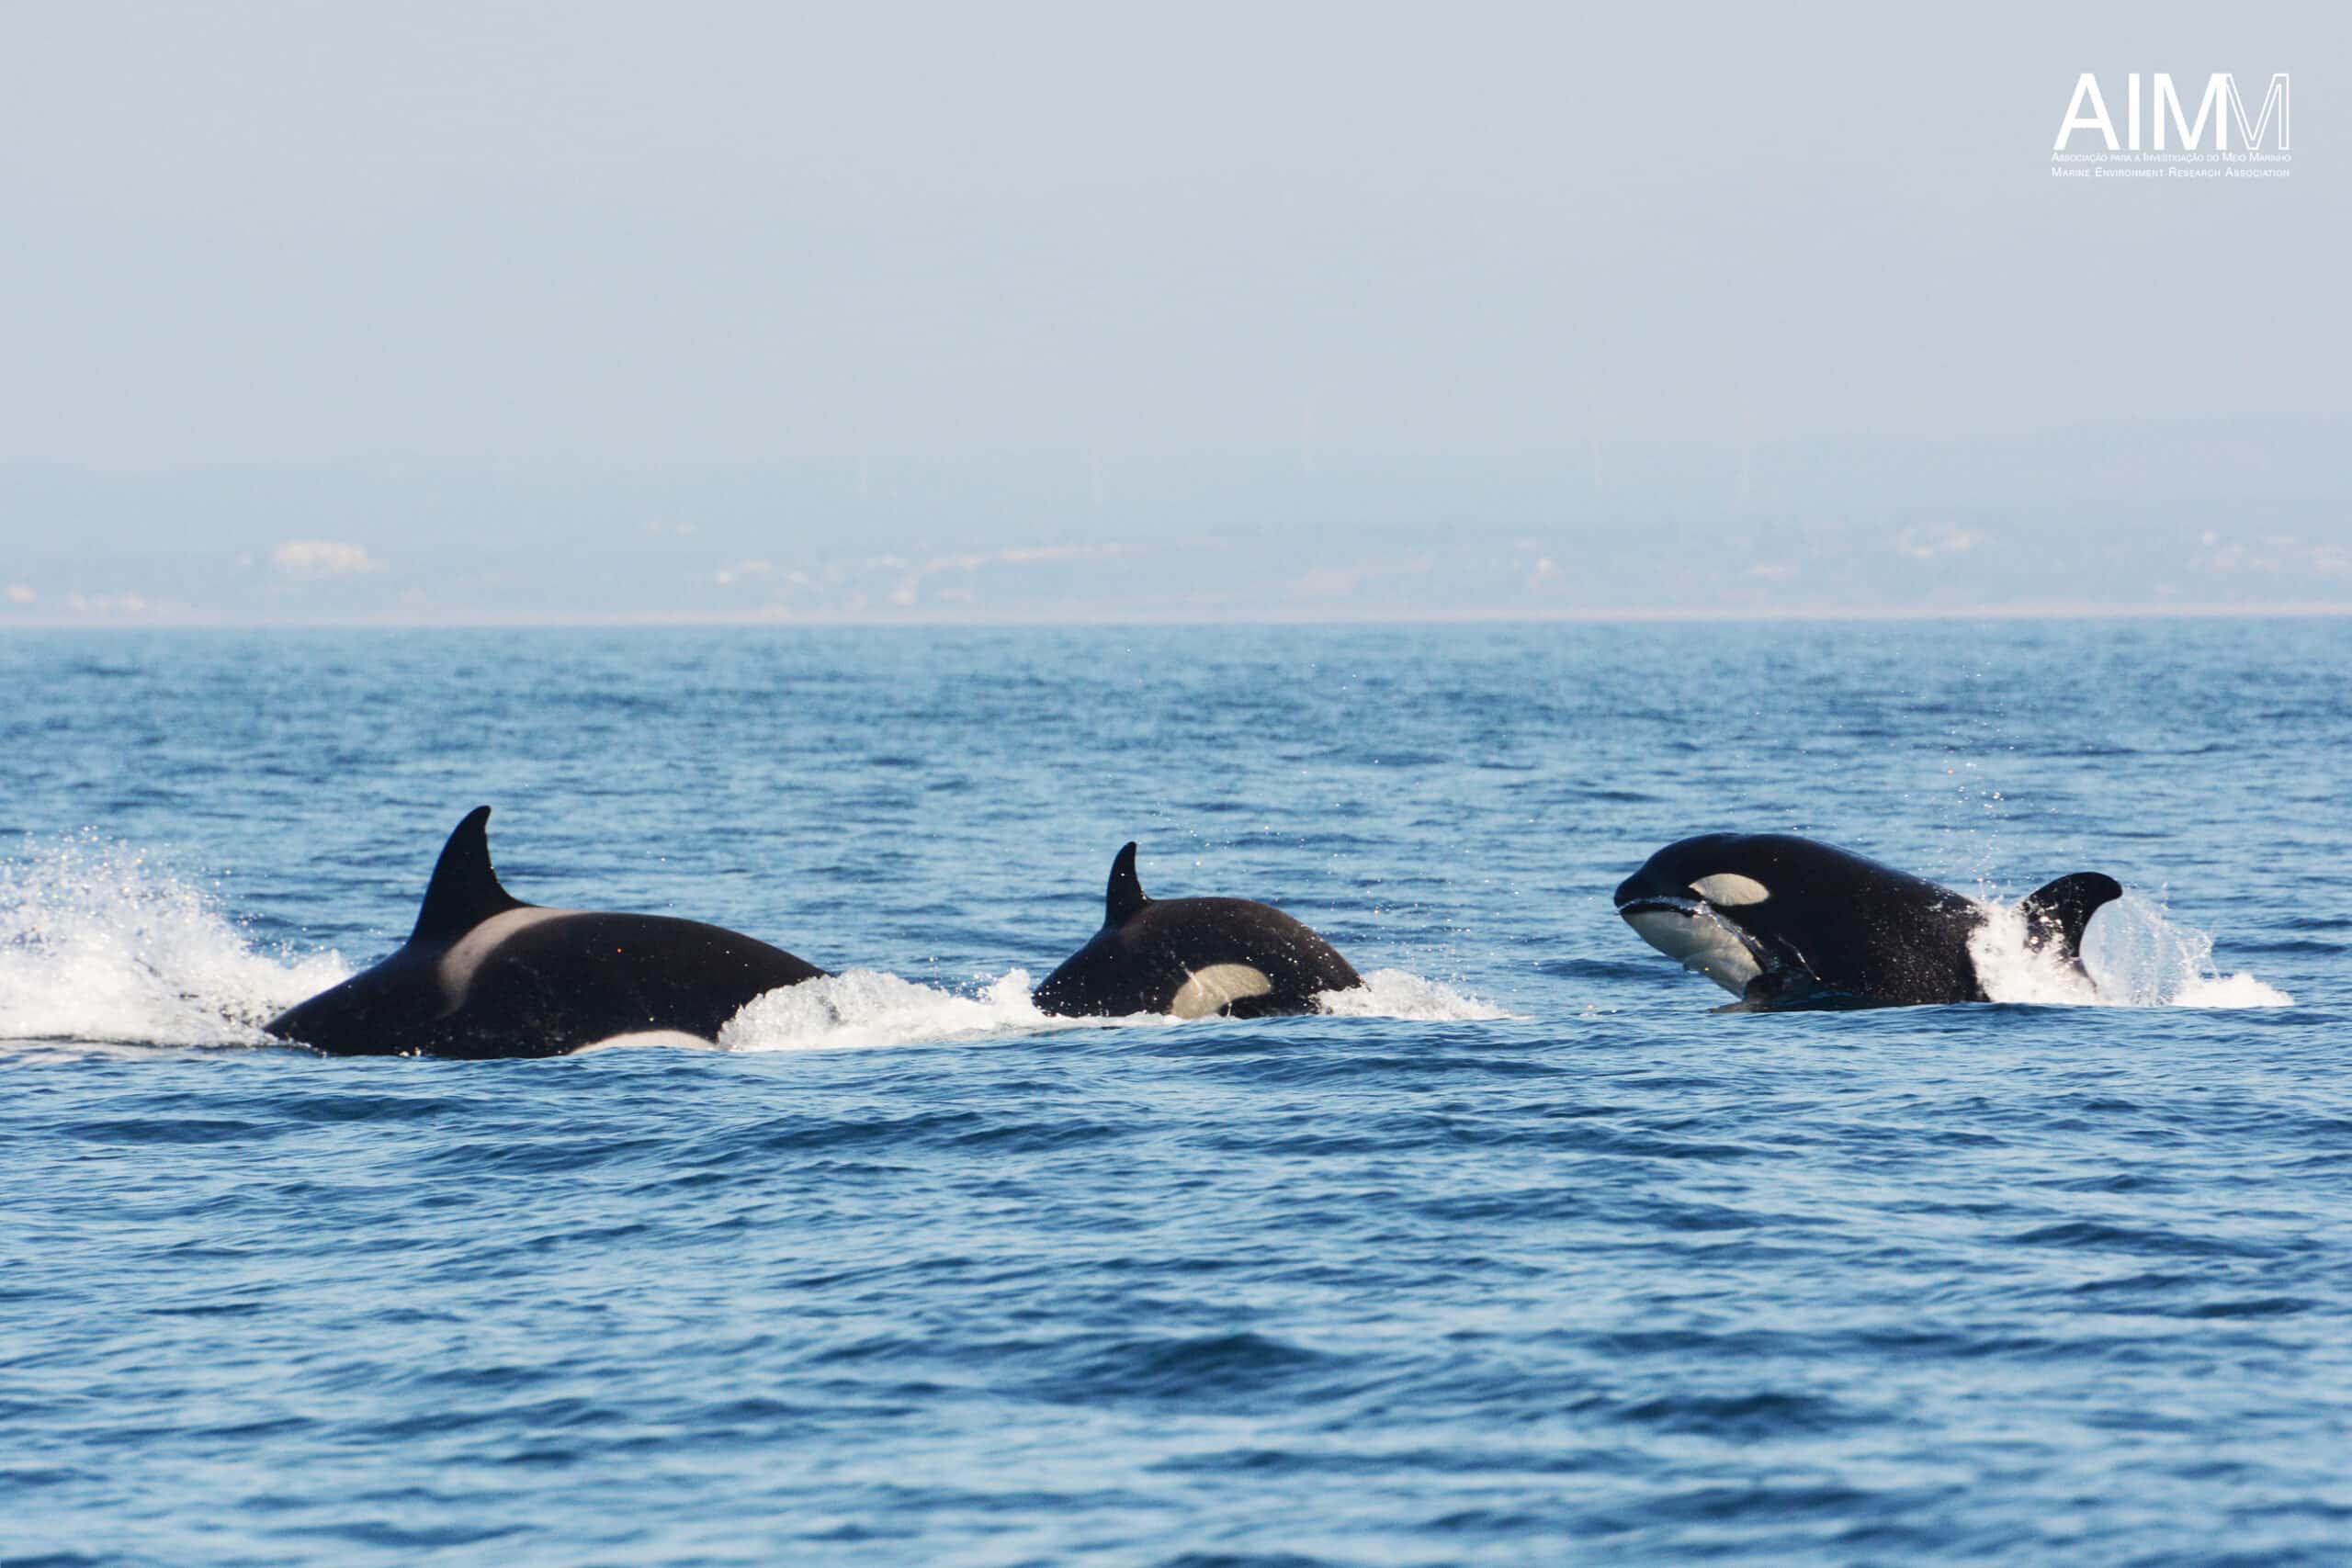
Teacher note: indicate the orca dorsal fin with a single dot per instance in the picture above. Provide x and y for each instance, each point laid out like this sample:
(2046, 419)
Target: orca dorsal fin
(2060, 911)
(464, 891)
(1126, 893)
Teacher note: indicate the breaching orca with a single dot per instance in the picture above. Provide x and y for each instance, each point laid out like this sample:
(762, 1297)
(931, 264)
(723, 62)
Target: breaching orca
(1783, 922)
(486, 975)
(1192, 957)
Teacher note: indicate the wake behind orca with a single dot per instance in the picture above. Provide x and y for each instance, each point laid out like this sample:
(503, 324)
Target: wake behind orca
(1784, 923)
(486, 975)
(1192, 957)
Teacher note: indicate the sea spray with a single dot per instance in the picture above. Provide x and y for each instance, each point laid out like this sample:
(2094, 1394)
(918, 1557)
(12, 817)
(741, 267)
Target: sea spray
(866, 1008)
(1400, 994)
(98, 944)
(2135, 955)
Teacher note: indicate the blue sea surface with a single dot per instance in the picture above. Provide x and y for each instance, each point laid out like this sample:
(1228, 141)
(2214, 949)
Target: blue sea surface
(1539, 1261)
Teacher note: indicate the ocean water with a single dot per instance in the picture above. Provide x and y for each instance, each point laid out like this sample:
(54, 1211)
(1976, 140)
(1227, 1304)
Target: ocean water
(1521, 1255)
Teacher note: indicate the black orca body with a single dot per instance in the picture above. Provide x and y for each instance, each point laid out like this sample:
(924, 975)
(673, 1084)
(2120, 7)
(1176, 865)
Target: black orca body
(486, 975)
(1784, 923)
(1192, 957)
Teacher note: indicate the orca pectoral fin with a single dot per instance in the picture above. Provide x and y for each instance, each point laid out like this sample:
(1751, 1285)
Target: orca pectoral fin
(1774, 990)
(2059, 912)
(1794, 990)
(464, 891)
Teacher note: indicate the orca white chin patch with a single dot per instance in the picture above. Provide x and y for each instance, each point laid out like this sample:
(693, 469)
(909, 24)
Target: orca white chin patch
(1219, 986)
(1701, 943)
(1729, 890)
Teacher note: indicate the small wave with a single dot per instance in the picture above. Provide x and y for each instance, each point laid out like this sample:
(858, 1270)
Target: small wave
(98, 945)
(864, 1007)
(2135, 953)
(1743, 1418)
(1396, 993)
(1206, 1370)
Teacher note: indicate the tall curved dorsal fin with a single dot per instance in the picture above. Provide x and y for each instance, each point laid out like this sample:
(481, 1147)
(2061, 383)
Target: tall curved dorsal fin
(464, 891)
(2060, 911)
(1126, 893)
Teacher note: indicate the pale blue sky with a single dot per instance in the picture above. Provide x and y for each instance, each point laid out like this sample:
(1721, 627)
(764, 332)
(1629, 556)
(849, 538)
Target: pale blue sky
(624, 300)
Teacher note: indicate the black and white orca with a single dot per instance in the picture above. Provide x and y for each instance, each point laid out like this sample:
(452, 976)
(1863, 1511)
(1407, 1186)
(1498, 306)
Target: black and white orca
(1192, 957)
(1784, 922)
(486, 975)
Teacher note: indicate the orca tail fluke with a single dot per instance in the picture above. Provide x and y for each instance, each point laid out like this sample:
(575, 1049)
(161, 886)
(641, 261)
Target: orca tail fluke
(464, 891)
(2059, 912)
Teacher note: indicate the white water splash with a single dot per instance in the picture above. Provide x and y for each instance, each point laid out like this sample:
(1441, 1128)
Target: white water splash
(1396, 993)
(864, 1007)
(97, 945)
(2136, 954)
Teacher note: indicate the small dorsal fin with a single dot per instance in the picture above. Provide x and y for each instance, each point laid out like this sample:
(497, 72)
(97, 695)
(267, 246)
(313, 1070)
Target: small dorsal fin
(464, 891)
(2060, 911)
(1126, 895)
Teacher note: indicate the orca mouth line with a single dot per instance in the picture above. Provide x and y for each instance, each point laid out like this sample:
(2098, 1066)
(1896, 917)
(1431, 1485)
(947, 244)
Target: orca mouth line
(1699, 936)
(1661, 904)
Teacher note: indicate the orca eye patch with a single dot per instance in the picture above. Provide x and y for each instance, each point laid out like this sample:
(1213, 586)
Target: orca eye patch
(1728, 889)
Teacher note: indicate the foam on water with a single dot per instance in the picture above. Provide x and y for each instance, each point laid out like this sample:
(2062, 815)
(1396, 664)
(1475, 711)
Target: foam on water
(1400, 994)
(865, 1009)
(97, 945)
(2137, 955)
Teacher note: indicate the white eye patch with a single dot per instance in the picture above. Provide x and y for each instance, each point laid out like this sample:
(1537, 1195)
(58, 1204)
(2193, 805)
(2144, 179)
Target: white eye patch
(1728, 889)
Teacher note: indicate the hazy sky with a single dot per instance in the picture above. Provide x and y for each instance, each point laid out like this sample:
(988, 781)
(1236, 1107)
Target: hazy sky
(274, 238)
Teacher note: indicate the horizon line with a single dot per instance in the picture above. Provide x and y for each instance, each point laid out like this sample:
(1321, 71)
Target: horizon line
(2031, 610)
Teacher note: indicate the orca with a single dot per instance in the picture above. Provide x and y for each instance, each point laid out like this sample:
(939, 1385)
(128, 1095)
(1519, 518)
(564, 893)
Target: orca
(1192, 957)
(486, 975)
(1786, 923)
